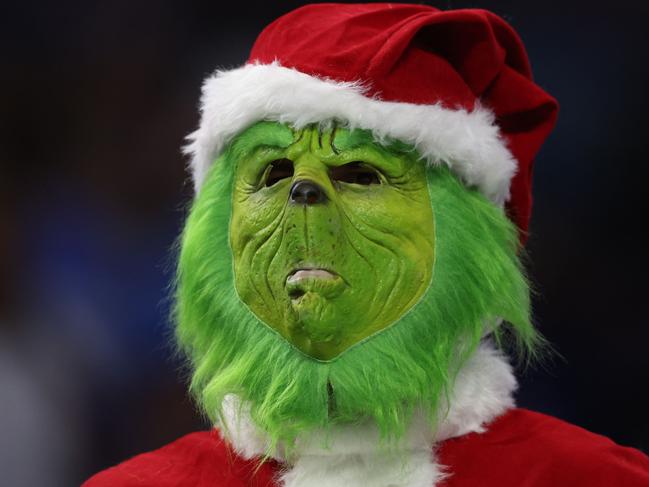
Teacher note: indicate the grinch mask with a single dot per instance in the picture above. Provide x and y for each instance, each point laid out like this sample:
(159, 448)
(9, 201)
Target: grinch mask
(327, 278)
(332, 234)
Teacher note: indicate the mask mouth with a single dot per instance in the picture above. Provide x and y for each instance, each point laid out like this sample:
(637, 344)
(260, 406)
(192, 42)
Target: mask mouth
(309, 273)
(305, 280)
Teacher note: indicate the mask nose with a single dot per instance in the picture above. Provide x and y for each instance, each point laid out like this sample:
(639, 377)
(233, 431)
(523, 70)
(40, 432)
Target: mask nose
(307, 193)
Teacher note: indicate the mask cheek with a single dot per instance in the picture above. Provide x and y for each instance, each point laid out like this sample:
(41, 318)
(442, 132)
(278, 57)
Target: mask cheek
(255, 236)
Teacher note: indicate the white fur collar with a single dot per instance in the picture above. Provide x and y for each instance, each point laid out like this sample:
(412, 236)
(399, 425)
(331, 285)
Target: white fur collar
(483, 391)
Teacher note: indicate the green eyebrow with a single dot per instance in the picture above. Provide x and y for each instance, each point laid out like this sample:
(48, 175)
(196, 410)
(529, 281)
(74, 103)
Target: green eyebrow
(263, 135)
(352, 139)
(345, 140)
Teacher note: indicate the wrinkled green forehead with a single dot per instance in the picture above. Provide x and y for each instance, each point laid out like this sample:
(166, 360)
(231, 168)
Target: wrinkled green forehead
(278, 135)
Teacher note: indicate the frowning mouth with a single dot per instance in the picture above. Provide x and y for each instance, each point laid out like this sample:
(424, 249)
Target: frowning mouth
(304, 280)
(301, 274)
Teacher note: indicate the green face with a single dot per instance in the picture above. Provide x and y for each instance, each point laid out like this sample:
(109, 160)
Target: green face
(366, 249)
(332, 235)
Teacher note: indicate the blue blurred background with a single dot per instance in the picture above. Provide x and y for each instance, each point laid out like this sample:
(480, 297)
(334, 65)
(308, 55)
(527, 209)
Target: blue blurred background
(96, 98)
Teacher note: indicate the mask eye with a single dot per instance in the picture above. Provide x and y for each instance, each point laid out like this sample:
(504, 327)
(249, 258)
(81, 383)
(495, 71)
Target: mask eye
(356, 172)
(279, 169)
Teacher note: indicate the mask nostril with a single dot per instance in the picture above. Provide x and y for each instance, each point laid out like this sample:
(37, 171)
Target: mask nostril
(307, 193)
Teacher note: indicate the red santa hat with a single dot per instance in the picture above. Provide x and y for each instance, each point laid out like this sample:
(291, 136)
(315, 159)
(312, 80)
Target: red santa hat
(456, 85)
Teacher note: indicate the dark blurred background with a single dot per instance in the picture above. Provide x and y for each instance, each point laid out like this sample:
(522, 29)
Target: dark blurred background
(96, 98)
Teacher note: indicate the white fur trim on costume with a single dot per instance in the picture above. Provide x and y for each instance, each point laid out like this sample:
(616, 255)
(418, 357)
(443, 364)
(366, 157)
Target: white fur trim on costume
(414, 469)
(482, 391)
(469, 143)
(348, 456)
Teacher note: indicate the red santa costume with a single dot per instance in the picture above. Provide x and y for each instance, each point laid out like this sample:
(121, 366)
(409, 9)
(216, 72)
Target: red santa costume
(457, 86)
(483, 441)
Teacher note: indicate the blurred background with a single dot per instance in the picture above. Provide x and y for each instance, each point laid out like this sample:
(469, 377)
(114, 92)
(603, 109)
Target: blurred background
(96, 98)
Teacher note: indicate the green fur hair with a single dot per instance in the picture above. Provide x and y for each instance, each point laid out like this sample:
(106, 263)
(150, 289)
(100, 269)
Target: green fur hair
(477, 280)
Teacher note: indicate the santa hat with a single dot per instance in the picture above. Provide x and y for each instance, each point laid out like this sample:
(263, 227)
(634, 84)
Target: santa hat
(456, 85)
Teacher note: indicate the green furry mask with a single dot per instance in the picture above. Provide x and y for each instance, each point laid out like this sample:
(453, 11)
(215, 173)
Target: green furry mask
(361, 300)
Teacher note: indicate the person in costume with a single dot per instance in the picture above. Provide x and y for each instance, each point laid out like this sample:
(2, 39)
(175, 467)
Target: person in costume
(349, 271)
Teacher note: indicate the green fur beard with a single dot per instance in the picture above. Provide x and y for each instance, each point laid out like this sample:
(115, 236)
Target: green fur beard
(237, 346)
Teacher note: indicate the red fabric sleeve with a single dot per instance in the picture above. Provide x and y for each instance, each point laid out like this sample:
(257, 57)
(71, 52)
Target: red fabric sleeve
(525, 449)
(519, 449)
(197, 460)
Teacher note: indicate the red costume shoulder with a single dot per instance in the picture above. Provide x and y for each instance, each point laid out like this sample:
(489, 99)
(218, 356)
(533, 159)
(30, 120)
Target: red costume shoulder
(519, 449)
(200, 459)
(524, 448)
